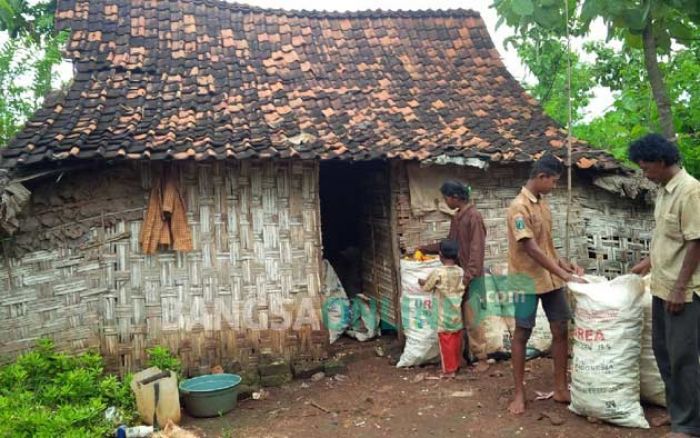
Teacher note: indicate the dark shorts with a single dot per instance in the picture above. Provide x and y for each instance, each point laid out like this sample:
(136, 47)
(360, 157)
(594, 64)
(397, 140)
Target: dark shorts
(554, 303)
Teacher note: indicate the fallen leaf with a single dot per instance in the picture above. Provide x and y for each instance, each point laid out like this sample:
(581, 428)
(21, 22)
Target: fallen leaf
(419, 378)
(544, 395)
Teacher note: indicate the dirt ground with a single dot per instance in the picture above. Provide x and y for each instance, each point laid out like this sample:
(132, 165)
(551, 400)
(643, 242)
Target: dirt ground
(375, 399)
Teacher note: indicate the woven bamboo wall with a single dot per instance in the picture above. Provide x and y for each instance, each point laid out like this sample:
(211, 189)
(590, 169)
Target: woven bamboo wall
(378, 271)
(257, 246)
(608, 233)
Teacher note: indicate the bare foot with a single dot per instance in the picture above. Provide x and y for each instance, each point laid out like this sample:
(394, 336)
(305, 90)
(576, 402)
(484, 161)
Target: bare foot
(517, 406)
(448, 375)
(562, 396)
(661, 420)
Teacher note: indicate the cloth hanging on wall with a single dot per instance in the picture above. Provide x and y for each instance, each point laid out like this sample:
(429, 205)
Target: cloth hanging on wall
(166, 218)
(424, 187)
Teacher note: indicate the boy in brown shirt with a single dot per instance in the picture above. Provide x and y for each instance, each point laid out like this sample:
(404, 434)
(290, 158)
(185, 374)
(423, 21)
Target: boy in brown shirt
(531, 255)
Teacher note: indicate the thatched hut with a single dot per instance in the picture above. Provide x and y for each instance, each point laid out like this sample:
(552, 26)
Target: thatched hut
(289, 136)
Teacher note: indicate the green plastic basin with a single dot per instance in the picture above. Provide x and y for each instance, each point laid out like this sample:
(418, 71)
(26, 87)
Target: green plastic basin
(210, 395)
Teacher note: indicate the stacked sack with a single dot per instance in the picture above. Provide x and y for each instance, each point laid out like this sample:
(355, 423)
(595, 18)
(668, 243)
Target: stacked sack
(605, 378)
(495, 317)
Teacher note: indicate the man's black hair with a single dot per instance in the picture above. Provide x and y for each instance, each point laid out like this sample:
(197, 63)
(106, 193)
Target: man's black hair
(455, 189)
(547, 164)
(652, 148)
(449, 249)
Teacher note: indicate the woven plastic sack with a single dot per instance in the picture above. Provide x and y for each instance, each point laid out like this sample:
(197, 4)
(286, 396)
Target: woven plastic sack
(605, 373)
(364, 318)
(336, 304)
(541, 337)
(499, 324)
(418, 315)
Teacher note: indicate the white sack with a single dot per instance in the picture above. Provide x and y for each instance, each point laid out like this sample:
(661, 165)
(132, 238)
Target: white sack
(605, 373)
(418, 315)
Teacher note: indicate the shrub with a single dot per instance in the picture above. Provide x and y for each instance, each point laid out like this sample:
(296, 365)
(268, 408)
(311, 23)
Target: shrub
(44, 393)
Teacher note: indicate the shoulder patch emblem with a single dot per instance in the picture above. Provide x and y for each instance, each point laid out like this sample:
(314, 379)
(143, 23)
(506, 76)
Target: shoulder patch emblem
(519, 223)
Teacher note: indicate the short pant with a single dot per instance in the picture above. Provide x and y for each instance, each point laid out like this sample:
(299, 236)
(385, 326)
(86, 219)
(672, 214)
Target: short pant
(554, 303)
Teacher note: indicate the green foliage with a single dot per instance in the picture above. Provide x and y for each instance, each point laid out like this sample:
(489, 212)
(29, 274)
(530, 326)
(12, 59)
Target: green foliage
(26, 75)
(545, 56)
(48, 394)
(20, 20)
(162, 358)
(633, 113)
(27, 61)
(651, 25)
(670, 19)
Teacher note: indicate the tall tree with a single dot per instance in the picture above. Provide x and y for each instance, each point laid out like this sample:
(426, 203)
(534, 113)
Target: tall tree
(27, 61)
(649, 24)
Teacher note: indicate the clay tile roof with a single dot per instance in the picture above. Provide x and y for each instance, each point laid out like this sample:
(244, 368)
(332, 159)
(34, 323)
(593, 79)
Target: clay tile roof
(206, 79)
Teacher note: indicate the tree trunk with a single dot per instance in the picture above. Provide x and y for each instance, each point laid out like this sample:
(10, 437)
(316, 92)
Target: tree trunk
(656, 80)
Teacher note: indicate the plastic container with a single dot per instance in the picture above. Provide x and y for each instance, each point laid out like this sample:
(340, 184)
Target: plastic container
(134, 432)
(157, 397)
(210, 395)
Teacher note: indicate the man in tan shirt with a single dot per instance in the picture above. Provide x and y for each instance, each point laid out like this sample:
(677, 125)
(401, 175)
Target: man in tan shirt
(675, 279)
(531, 255)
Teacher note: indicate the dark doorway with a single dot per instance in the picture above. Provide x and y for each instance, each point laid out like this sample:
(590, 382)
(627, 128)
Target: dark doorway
(341, 219)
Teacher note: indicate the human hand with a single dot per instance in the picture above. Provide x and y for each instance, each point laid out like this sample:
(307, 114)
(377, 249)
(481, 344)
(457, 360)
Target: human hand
(642, 268)
(570, 267)
(676, 301)
(571, 278)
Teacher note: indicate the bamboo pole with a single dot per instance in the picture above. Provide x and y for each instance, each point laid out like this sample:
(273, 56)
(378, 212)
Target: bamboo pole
(567, 233)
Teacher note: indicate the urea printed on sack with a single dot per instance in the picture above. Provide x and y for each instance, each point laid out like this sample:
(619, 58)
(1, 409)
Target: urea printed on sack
(588, 335)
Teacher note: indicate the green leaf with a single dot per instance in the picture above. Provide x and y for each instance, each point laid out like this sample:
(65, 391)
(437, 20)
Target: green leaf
(500, 21)
(523, 7)
(590, 10)
(633, 40)
(663, 39)
(681, 31)
(635, 19)
(548, 17)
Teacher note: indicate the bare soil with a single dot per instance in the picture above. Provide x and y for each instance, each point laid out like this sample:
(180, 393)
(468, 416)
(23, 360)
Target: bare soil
(375, 399)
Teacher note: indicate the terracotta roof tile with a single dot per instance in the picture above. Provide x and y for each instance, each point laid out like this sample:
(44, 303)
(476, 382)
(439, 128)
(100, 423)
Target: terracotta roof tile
(206, 79)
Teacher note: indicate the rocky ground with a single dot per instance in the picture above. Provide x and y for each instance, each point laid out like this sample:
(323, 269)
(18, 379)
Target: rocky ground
(371, 398)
